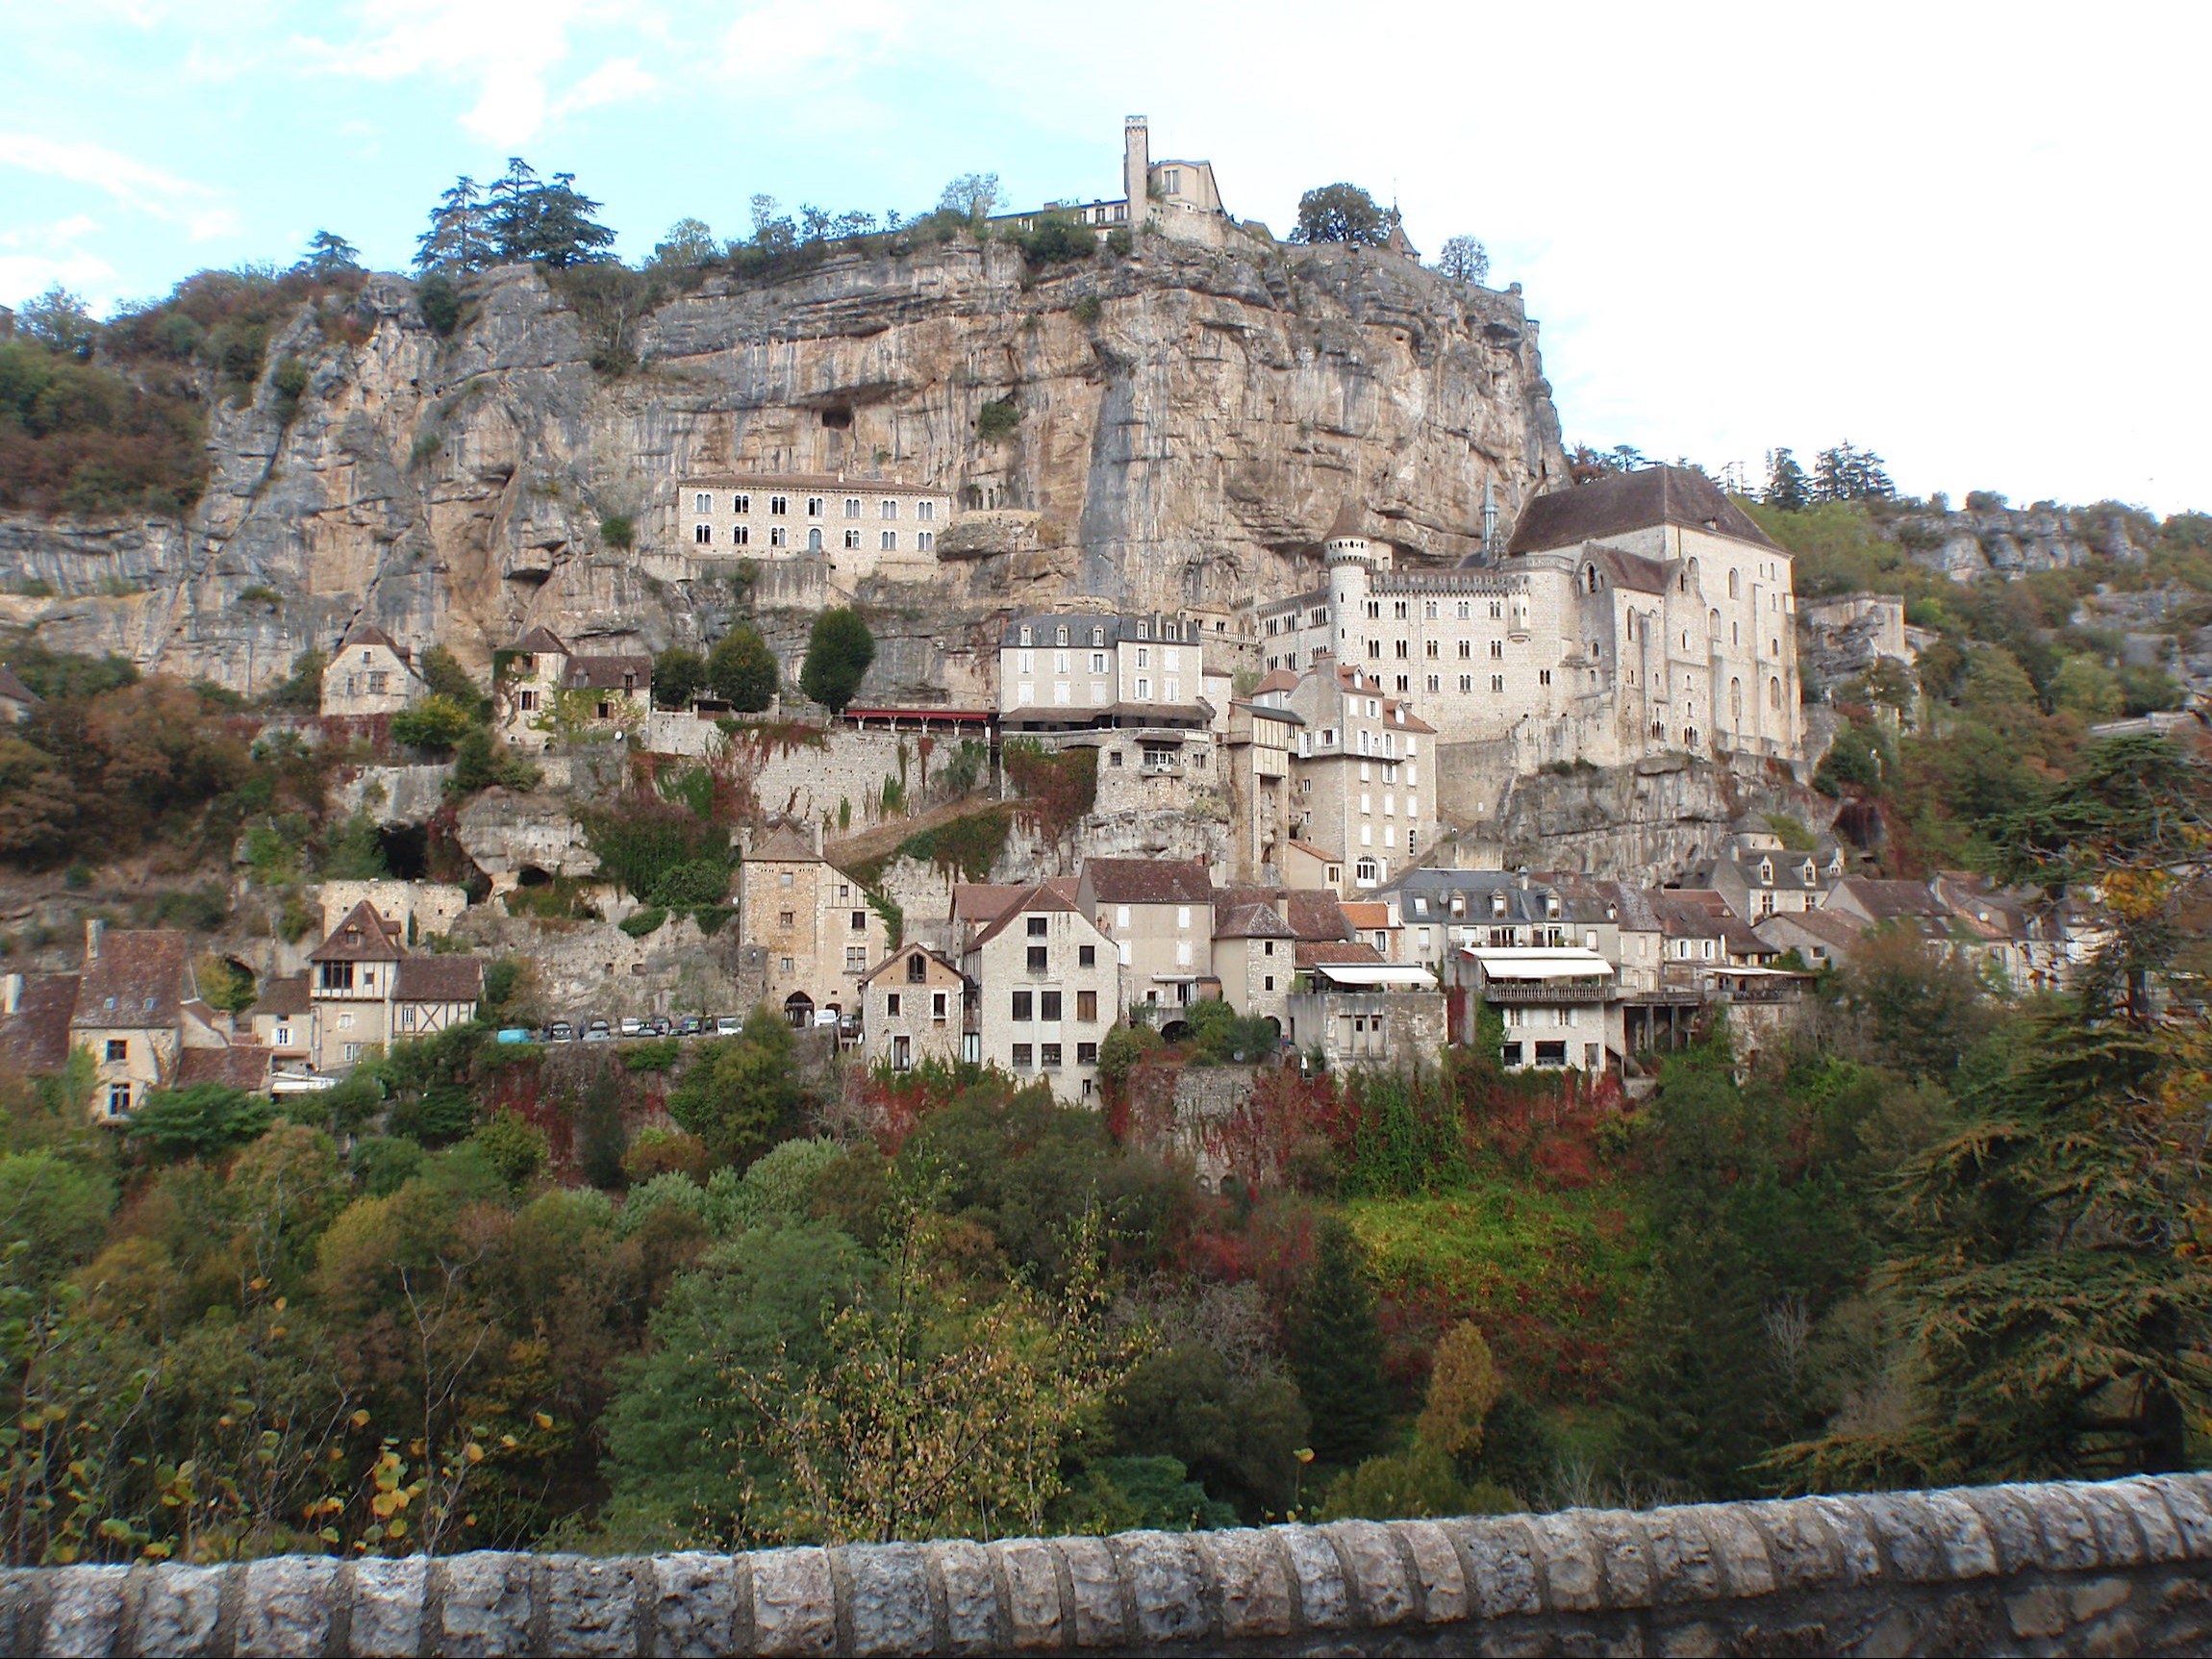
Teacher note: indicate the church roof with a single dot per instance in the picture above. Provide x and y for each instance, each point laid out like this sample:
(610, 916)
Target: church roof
(1630, 570)
(1623, 502)
(1347, 522)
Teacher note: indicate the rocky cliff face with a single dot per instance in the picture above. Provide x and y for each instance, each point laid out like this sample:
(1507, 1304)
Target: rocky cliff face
(1189, 421)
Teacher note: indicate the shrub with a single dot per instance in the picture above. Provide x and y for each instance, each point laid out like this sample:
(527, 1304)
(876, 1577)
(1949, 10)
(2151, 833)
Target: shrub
(998, 418)
(512, 1146)
(199, 1122)
(655, 1153)
(261, 593)
(481, 761)
(289, 383)
(437, 722)
(659, 1055)
(1088, 309)
(645, 921)
(439, 302)
(618, 531)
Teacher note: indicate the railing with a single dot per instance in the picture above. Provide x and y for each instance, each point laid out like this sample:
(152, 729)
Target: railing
(1546, 989)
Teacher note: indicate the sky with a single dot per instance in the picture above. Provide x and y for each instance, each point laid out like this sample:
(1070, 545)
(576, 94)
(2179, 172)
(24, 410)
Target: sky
(1969, 236)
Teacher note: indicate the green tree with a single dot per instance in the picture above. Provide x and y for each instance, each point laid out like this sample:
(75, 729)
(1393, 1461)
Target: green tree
(838, 652)
(1336, 1348)
(678, 677)
(199, 1121)
(688, 242)
(460, 238)
(513, 1146)
(1787, 487)
(741, 670)
(971, 195)
(1464, 258)
(548, 222)
(599, 1130)
(443, 674)
(59, 321)
(329, 255)
(302, 689)
(1847, 473)
(1343, 213)
(2084, 685)
(437, 722)
(742, 1094)
(2054, 1284)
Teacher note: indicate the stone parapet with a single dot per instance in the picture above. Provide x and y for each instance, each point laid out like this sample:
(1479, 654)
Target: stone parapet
(2125, 1566)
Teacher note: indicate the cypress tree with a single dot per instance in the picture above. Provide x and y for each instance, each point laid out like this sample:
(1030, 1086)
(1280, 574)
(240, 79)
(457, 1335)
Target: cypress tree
(1336, 1350)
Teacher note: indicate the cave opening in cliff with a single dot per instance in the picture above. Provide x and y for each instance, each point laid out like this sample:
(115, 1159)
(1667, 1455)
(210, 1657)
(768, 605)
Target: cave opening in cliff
(406, 851)
(530, 875)
(837, 420)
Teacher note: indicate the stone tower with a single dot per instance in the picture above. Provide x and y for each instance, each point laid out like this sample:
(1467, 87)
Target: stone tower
(1350, 564)
(1137, 168)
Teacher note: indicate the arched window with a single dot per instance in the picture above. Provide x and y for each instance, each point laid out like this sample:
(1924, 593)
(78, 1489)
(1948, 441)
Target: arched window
(1713, 624)
(1736, 702)
(1735, 590)
(1775, 693)
(800, 1009)
(1364, 872)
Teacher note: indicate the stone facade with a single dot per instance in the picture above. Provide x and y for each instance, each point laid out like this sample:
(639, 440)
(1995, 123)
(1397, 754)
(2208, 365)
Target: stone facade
(814, 923)
(914, 1009)
(370, 674)
(1389, 1030)
(1050, 987)
(862, 527)
(1356, 789)
(1648, 615)
(2119, 1568)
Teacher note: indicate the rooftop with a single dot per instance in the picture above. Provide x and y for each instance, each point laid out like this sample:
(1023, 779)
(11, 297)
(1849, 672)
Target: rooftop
(360, 935)
(1148, 881)
(1624, 502)
(439, 979)
(137, 979)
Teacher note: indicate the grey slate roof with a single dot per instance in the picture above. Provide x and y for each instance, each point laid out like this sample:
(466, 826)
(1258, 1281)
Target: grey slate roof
(1627, 501)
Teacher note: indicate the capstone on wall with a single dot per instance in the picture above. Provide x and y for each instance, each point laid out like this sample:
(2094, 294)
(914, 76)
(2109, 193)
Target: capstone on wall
(2123, 1568)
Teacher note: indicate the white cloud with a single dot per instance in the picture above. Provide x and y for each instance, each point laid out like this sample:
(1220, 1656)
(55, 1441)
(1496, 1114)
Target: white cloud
(68, 229)
(509, 51)
(26, 275)
(202, 212)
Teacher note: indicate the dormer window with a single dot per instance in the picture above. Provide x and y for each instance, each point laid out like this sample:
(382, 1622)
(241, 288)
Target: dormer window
(1027, 637)
(1060, 634)
(1766, 873)
(1144, 630)
(1497, 904)
(1099, 636)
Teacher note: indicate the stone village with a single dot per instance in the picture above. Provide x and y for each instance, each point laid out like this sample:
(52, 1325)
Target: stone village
(1281, 820)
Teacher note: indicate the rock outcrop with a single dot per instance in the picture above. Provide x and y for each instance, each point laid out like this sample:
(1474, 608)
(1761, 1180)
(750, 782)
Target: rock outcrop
(1189, 421)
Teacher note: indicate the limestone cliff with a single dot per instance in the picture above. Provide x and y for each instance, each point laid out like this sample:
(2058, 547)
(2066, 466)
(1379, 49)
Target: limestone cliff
(1190, 419)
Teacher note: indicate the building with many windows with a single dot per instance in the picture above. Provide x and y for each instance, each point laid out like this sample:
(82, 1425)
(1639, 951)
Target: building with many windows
(915, 1008)
(1362, 778)
(1049, 989)
(1639, 613)
(859, 525)
(813, 920)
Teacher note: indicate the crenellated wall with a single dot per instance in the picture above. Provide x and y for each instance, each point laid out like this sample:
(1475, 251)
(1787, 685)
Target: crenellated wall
(2121, 1568)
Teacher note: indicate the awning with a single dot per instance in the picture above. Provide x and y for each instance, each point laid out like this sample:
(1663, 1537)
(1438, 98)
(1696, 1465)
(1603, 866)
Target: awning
(1541, 963)
(1375, 972)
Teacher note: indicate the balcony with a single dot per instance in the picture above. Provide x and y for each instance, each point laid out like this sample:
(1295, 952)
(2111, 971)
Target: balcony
(1499, 991)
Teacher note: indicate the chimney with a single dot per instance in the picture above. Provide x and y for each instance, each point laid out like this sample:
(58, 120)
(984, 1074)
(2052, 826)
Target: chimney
(94, 927)
(12, 995)
(818, 829)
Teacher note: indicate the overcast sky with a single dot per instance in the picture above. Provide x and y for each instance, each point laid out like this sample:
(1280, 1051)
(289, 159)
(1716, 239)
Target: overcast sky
(1959, 234)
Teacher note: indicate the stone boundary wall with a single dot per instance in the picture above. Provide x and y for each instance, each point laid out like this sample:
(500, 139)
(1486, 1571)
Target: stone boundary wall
(2125, 1566)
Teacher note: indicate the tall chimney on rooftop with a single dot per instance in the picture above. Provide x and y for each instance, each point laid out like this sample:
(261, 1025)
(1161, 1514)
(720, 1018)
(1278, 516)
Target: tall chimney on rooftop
(94, 927)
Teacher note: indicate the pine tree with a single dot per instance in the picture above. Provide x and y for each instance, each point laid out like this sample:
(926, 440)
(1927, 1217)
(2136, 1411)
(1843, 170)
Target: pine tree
(459, 239)
(1336, 1350)
(563, 232)
(510, 215)
(1847, 473)
(1786, 488)
(329, 255)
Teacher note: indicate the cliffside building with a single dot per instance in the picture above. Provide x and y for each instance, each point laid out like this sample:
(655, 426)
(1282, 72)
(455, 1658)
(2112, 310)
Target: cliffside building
(1178, 197)
(367, 990)
(1049, 989)
(915, 1008)
(814, 923)
(547, 683)
(370, 673)
(860, 525)
(1357, 795)
(1639, 613)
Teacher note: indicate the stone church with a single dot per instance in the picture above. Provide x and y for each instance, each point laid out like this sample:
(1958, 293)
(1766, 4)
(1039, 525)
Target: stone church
(1642, 613)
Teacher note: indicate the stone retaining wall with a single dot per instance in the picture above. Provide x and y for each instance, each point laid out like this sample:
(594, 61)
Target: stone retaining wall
(2120, 1567)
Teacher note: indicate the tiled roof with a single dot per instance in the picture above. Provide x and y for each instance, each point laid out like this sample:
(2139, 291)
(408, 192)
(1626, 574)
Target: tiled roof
(1041, 896)
(137, 980)
(1629, 501)
(439, 979)
(1630, 570)
(361, 935)
(1347, 522)
(241, 1066)
(784, 845)
(35, 1040)
(369, 634)
(1277, 679)
(1365, 914)
(1314, 953)
(982, 901)
(1311, 913)
(12, 686)
(1253, 921)
(541, 641)
(283, 998)
(1830, 927)
(1148, 881)
(1888, 900)
(607, 673)
(899, 957)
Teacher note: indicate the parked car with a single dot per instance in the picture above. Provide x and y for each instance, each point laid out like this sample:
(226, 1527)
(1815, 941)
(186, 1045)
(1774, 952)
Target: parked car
(825, 1017)
(633, 1027)
(560, 1031)
(728, 1025)
(659, 1025)
(514, 1034)
(598, 1032)
(690, 1025)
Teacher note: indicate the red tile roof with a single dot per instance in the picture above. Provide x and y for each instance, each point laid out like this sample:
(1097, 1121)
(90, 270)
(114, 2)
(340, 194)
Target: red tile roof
(35, 1040)
(1040, 897)
(439, 979)
(361, 935)
(241, 1066)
